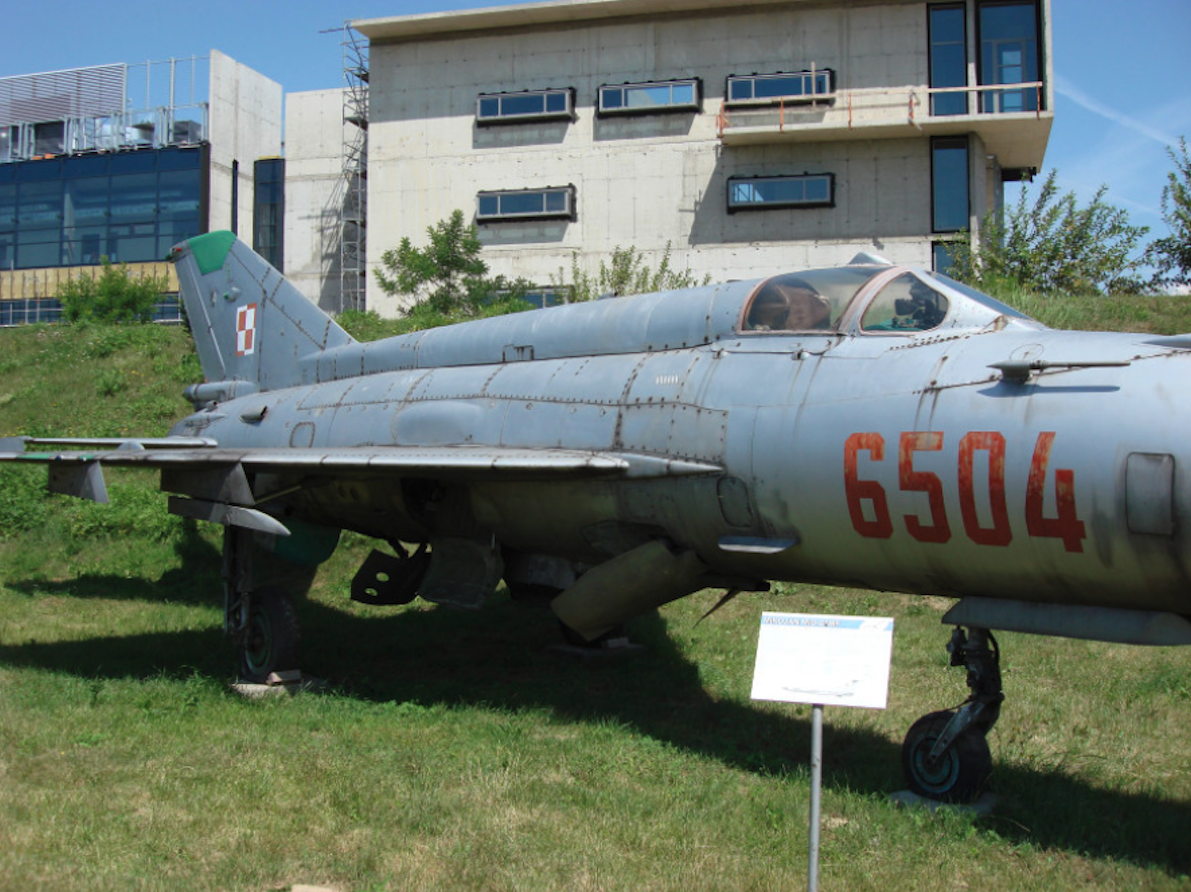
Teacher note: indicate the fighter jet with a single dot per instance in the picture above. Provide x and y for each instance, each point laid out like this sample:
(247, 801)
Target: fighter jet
(868, 425)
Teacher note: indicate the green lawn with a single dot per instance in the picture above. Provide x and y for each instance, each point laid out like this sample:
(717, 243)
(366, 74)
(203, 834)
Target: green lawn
(456, 751)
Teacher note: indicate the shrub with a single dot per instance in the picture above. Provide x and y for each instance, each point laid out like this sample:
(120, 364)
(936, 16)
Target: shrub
(115, 295)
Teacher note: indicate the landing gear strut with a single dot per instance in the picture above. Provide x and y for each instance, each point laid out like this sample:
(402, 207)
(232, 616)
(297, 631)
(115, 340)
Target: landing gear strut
(945, 755)
(262, 623)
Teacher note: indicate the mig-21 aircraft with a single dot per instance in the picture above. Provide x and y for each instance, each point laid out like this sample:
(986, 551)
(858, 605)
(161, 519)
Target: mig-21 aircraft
(869, 425)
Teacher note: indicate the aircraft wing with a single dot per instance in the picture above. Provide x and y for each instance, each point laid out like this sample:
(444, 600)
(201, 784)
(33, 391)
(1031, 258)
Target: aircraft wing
(75, 468)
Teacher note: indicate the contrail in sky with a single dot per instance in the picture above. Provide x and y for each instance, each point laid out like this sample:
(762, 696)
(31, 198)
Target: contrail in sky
(1065, 88)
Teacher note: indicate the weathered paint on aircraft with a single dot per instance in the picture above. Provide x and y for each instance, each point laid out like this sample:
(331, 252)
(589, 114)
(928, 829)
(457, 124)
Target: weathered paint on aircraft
(868, 425)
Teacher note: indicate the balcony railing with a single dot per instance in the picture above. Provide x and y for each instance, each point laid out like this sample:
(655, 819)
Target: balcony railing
(881, 107)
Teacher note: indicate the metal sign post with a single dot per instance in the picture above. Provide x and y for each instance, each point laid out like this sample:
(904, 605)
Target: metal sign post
(822, 660)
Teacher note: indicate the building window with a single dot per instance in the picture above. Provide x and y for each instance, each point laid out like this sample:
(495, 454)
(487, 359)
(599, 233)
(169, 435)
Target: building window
(1008, 55)
(949, 183)
(948, 58)
(769, 88)
(530, 105)
(942, 255)
(130, 207)
(522, 204)
(802, 191)
(658, 96)
(268, 210)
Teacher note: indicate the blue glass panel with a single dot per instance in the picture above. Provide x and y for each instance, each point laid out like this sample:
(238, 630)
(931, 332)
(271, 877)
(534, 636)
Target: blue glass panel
(949, 185)
(776, 87)
(8, 208)
(942, 257)
(649, 97)
(30, 256)
(179, 194)
(556, 202)
(184, 159)
(133, 244)
(522, 105)
(817, 189)
(518, 203)
(556, 102)
(490, 107)
(39, 205)
(740, 88)
(489, 205)
(132, 162)
(1009, 55)
(86, 166)
(684, 94)
(38, 171)
(611, 97)
(134, 198)
(86, 202)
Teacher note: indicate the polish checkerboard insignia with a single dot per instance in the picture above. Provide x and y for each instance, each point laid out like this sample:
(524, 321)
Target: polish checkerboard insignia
(246, 330)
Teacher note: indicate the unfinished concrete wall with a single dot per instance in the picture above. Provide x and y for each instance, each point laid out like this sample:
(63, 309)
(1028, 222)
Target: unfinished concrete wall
(314, 136)
(245, 119)
(662, 179)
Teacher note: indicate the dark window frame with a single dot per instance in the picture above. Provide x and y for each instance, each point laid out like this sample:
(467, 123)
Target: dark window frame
(931, 43)
(991, 100)
(569, 212)
(735, 206)
(945, 143)
(695, 105)
(814, 95)
(268, 194)
(546, 114)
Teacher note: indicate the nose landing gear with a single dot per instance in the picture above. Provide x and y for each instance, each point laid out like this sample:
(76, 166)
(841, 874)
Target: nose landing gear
(261, 622)
(945, 755)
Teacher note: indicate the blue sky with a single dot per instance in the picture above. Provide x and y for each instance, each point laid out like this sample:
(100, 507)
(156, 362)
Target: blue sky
(1122, 70)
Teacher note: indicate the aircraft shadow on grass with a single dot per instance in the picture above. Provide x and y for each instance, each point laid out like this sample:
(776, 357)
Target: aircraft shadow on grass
(500, 656)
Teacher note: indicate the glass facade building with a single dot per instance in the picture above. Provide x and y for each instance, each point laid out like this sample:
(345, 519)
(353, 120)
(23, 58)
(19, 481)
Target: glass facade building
(130, 207)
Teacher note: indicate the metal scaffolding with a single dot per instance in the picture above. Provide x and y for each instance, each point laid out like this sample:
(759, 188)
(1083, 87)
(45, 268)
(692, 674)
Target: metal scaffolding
(354, 178)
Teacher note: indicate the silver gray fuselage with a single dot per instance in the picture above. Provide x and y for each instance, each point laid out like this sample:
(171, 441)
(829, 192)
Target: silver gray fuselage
(884, 460)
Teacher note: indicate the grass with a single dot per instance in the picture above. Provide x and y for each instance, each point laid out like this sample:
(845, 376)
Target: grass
(455, 751)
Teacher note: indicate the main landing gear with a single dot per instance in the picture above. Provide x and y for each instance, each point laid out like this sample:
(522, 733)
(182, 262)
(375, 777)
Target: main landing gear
(945, 755)
(262, 622)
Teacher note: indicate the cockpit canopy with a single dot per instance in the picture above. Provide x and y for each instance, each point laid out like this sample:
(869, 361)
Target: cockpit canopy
(866, 299)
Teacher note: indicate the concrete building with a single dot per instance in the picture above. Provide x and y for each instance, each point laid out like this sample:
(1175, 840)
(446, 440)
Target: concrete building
(124, 161)
(749, 138)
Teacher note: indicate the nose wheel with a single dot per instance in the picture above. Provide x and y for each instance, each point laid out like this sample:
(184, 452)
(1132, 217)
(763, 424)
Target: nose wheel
(272, 638)
(945, 755)
(261, 622)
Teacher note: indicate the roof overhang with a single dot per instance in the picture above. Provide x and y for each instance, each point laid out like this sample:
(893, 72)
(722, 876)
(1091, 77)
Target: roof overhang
(555, 13)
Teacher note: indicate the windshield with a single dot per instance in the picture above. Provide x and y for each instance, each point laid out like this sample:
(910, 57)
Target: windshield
(980, 297)
(906, 304)
(808, 301)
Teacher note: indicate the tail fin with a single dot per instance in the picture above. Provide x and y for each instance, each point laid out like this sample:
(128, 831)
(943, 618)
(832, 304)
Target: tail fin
(253, 330)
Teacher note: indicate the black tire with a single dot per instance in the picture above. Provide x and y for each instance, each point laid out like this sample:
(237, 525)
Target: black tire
(274, 635)
(960, 773)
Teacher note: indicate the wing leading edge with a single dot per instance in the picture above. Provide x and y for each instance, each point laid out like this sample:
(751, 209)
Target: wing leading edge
(78, 472)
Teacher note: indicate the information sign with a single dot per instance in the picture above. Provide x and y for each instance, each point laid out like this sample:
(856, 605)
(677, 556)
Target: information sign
(824, 660)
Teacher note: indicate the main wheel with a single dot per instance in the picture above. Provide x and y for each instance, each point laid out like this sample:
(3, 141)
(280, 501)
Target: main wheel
(274, 635)
(956, 776)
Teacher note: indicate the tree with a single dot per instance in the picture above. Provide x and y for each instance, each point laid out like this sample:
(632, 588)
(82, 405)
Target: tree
(115, 295)
(1171, 256)
(447, 277)
(625, 273)
(1052, 245)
